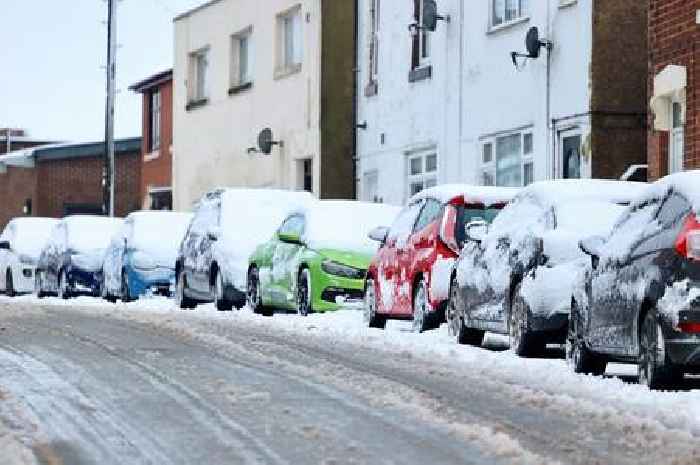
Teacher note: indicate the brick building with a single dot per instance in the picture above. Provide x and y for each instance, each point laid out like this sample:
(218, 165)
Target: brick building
(674, 86)
(156, 146)
(18, 139)
(62, 179)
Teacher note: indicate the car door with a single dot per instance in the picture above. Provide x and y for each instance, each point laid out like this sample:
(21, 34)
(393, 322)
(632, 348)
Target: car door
(415, 256)
(56, 255)
(5, 255)
(615, 281)
(119, 251)
(205, 248)
(285, 262)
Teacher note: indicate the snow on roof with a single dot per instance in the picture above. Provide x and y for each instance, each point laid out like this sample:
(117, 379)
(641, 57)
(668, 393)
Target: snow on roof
(686, 183)
(562, 191)
(487, 195)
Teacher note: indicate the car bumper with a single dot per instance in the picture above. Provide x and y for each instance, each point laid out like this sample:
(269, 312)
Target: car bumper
(553, 327)
(333, 293)
(158, 281)
(684, 348)
(84, 282)
(23, 278)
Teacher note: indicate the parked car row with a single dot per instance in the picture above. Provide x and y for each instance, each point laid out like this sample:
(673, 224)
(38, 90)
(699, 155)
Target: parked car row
(611, 269)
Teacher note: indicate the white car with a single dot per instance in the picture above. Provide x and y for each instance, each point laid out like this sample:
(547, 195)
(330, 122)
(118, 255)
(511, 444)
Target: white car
(20, 245)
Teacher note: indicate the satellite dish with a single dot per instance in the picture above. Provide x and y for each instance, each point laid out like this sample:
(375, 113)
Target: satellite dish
(430, 15)
(265, 141)
(532, 42)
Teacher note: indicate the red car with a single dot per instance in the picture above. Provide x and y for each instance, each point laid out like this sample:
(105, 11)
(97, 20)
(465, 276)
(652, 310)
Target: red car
(409, 277)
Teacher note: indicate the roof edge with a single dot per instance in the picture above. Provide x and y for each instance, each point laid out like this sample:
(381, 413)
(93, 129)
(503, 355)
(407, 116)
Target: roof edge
(191, 11)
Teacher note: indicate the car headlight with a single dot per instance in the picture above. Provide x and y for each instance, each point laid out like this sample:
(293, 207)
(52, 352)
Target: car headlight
(143, 261)
(344, 271)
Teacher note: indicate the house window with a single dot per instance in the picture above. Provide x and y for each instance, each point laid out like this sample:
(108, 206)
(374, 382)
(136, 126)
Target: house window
(242, 58)
(422, 172)
(508, 160)
(199, 75)
(289, 54)
(305, 174)
(155, 120)
(161, 198)
(373, 48)
(421, 38)
(370, 190)
(506, 11)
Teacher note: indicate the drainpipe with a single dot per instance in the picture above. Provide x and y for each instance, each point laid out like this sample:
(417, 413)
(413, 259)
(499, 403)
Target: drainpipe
(548, 118)
(355, 96)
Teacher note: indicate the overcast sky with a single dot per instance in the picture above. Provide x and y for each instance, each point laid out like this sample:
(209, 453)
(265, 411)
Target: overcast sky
(51, 54)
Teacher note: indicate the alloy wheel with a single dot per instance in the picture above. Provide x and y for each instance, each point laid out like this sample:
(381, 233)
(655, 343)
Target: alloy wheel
(454, 319)
(420, 303)
(516, 327)
(9, 285)
(62, 285)
(370, 305)
(303, 294)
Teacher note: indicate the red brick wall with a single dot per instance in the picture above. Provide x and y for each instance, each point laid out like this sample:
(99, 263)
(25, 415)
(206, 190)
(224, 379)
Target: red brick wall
(157, 170)
(16, 186)
(674, 38)
(79, 181)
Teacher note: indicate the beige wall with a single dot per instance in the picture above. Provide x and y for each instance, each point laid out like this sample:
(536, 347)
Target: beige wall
(210, 142)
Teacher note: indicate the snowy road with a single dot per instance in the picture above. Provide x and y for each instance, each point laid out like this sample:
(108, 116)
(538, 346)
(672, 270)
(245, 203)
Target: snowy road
(90, 383)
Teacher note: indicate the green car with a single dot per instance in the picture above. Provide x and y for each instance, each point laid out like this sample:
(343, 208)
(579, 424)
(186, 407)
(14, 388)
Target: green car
(317, 259)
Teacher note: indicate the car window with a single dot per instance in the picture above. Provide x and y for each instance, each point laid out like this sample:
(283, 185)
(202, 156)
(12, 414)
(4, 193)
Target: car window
(674, 210)
(637, 224)
(293, 225)
(430, 212)
(662, 232)
(404, 222)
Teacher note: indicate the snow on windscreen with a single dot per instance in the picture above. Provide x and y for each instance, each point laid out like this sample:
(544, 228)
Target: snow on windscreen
(91, 233)
(31, 234)
(159, 232)
(250, 217)
(486, 195)
(345, 225)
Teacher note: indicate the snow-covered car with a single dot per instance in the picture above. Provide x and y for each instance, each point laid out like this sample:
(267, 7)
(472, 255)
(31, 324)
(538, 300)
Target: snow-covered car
(20, 246)
(638, 299)
(227, 227)
(409, 277)
(141, 256)
(318, 258)
(71, 261)
(517, 276)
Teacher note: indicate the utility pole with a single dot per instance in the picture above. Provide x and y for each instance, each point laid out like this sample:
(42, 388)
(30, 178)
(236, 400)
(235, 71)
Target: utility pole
(109, 169)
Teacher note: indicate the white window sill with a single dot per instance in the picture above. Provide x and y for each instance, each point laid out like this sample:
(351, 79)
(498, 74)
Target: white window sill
(152, 156)
(508, 25)
(283, 72)
(567, 3)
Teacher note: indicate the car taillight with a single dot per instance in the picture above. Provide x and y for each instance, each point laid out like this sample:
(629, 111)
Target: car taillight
(688, 242)
(448, 228)
(689, 327)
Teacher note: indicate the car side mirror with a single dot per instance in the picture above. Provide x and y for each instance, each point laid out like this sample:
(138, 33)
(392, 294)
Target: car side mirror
(289, 238)
(592, 246)
(476, 231)
(4, 245)
(379, 234)
(214, 234)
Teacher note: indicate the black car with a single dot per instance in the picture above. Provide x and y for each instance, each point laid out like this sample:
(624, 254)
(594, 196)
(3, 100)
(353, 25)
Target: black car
(228, 225)
(516, 278)
(638, 300)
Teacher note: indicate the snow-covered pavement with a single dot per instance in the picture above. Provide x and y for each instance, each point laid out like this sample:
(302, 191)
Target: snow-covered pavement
(94, 382)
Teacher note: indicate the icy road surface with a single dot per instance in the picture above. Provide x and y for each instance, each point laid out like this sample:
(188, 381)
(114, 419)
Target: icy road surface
(86, 382)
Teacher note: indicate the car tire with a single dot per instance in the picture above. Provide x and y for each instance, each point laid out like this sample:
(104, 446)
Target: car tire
(222, 304)
(181, 299)
(40, 294)
(523, 341)
(126, 291)
(371, 317)
(253, 296)
(304, 307)
(63, 288)
(104, 293)
(9, 285)
(578, 357)
(455, 320)
(423, 317)
(654, 367)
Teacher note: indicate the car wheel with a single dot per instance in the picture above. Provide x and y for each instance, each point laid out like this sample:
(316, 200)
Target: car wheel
(422, 316)
(455, 320)
(372, 319)
(523, 341)
(304, 307)
(63, 290)
(655, 369)
(181, 299)
(578, 357)
(9, 285)
(126, 292)
(222, 304)
(38, 287)
(254, 296)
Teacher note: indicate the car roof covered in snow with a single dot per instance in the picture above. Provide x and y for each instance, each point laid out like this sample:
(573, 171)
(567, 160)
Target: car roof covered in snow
(686, 183)
(563, 191)
(487, 195)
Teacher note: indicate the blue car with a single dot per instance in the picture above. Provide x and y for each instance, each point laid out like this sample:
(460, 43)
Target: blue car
(140, 259)
(71, 262)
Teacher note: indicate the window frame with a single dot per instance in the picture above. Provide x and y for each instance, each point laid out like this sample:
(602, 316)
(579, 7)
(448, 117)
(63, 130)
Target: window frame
(427, 178)
(490, 167)
(374, 22)
(237, 80)
(521, 15)
(198, 87)
(155, 126)
(289, 61)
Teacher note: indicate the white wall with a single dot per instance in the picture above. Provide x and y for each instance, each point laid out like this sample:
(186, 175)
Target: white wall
(210, 143)
(475, 90)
